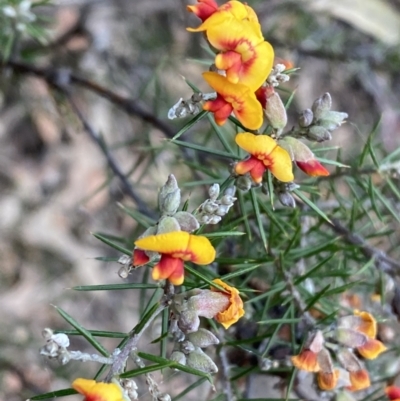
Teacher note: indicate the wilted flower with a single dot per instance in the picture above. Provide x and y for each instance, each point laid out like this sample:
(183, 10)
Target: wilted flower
(327, 376)
(94, 391)
(266, 154)
(175, 248)
(235, 310)
(359, 377)
(308, 357)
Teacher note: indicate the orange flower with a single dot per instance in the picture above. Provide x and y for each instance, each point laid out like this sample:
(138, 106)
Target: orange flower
(266, 154)
(94, 391)
(235, 309)
(175, 248)
(367, 324)
(371, 349)
(245, 56)
(359, 380)
(306, 360)
(393, 393)
(327, 380)
(236, 98)
(204, 9)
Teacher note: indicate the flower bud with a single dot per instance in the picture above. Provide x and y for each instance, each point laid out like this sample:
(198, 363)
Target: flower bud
(230, 191)
(187, 221)
(61, 340)
(187, 347)
(306, 118)
(63, 357)
(179, 357)
(213, 191)
(123, 272)
(203, 338)
(318, 133)
(189, 321)
(168, 225)
(287, 199)
(332, 119)
(222, 210)
(200, 361)
(204, 219)
(163, 397)
(243, 182)
(227, 200)
(351, 338)
(169, 197)
(47, 333)
(321, 104)
(214, 219)
(275, 111)
(210, 207)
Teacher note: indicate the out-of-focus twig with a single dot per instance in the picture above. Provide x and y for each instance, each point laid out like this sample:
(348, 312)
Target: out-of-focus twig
(225, 371)
(128, 188)
(382, 261)
(130, 106)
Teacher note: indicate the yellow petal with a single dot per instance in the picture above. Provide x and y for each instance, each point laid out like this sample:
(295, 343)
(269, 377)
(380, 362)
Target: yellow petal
(94, 391)
(176, 241)
(368, 324)
(281, 167)
(201, 248)
(255, 144)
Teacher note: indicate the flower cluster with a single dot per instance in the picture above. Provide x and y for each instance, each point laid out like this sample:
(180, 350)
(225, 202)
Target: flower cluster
(358, 332)
(225, 306)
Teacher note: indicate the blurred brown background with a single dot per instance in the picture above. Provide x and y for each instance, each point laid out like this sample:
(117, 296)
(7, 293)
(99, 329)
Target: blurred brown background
(54, 185)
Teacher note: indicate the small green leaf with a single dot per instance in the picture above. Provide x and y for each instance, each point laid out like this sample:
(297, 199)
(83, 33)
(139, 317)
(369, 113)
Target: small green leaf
(189, 125)
(85, 333)
(114, 287)
(113, 244)
(254, 201)
(54, 394)
(312, 205)
(211, 151)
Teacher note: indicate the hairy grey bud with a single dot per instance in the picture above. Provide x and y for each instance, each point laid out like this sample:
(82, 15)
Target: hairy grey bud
(319, 134)
(200, 361)
(286, 198)
(187, 221)
(169, 197)
(213, 191)
(306, 118)
(243, 183)
(179, 357)
(203, 338)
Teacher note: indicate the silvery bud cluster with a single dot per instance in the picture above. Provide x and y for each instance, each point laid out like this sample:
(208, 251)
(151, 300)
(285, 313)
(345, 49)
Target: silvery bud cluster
(56, 346)
(183, 108)
(169, 196)
(276, 76)
(189, 351)
(316, 124)
(130, 387)
(212, 210)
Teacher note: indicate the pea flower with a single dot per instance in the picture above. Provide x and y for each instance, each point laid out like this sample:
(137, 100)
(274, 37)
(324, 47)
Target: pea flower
(175, 248)
(393, 393)
(244, 54)
(94, 391)
(234, 311)
(236, 98)
(227, 12)
(266, 154)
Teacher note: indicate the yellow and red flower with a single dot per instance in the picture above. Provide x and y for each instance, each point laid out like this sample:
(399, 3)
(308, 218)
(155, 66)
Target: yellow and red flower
(244, 54)
(235, 310)
(313, 168)
(94, 391)
(175, 248)
(393, 393)
(236, 98)
(266, 154)
(366, 323)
